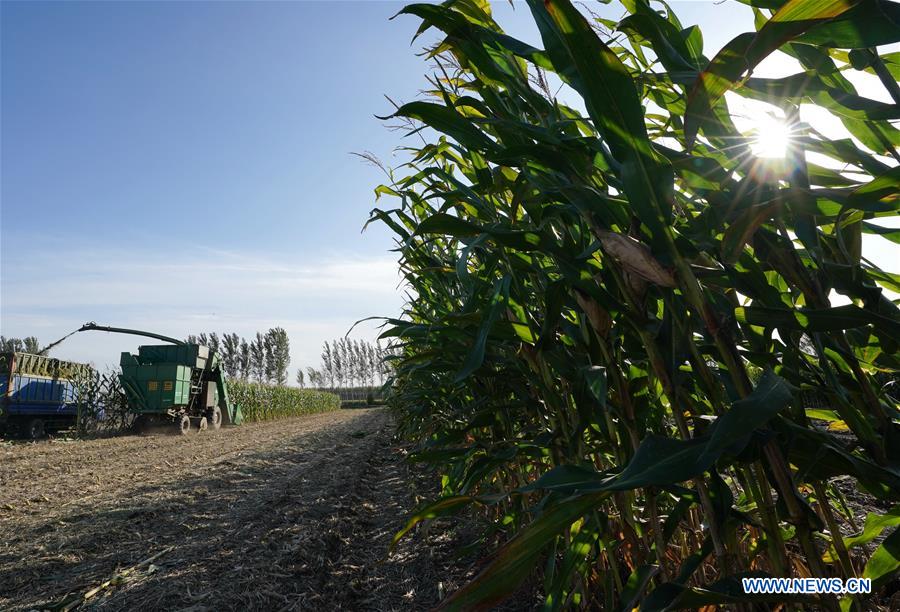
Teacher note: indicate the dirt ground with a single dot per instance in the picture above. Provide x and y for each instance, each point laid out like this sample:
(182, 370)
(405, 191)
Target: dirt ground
(286, 515)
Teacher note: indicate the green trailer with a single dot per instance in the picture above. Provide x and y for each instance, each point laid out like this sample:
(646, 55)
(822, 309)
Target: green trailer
(179, 385)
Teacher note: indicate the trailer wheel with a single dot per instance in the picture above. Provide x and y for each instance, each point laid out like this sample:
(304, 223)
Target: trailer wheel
(202, 424)
(183, 425)
(214, 417)
(35, 430)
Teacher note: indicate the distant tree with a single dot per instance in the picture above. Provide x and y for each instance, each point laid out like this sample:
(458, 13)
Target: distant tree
(372, 362)
(264, 358)
(284, 353)
(360, 369)
(269, 343)
(316, 378)
(326, 376)
(351, 366)
(231, 348)
(245, 359)
(11, 345)
(379, 363)
(301, 378)
(28, 344)
(278, 355)
(356, 362)
(214, 343)
(337, 362)
(346, 361)
(258, 358)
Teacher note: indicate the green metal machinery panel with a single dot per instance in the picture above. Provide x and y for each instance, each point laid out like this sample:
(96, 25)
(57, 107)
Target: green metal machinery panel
(161, 386)
(191, 355)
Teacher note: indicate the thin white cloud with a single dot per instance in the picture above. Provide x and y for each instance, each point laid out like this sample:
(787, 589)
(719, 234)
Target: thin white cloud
(50, 295)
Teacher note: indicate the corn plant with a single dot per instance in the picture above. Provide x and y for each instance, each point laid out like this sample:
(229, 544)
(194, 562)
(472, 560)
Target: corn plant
(617, 317)
(262, 402)
(100, 402)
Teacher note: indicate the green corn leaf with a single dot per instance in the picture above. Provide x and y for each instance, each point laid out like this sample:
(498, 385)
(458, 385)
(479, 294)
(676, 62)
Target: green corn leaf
(822, 320)
(497, 304)
(516, 559)
(808, 88)
(880, 137)
(890, 233)
(441, 507)
(662, 461)
(888, 280)
(446, 121)
(884, 563)
(596, 381)
(874, 525)
(635, 586)
(576, 560)
(765, 4)
(871, 23)
(450, 225)
(442, 223)
(818, 457)
(665, 39)
(743, 53)
(822, 415)
(740, 232)
(730, 431)
(568, 479)
(884, 189)
(609, 92)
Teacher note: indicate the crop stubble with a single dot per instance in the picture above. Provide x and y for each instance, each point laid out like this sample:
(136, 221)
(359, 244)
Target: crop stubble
(288, 514)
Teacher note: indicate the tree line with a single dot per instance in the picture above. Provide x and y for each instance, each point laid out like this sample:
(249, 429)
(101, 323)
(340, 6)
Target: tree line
(349, 363)
(19, 345)
(263, 358)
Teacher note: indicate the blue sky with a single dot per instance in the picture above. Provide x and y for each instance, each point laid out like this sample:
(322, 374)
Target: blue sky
(186, 167)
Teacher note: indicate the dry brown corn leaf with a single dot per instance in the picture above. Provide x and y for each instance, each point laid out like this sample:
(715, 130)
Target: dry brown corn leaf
(597, 316)
(635, 257)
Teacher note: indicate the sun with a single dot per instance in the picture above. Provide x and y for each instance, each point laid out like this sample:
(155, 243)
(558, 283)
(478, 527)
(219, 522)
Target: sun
(771, 137)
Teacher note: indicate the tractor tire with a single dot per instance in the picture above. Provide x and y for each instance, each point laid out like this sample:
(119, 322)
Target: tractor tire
(183, 425)
(202, 424)
(35, 430)
(214, 418)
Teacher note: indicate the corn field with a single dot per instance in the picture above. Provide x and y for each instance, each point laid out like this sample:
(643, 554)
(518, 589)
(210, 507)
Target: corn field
(616, 315)
(261, 402)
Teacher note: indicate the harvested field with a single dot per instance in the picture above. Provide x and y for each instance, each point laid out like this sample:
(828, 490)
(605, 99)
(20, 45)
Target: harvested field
(282, 515)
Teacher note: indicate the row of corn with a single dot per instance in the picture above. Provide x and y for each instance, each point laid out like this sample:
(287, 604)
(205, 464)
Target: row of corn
(262, 402)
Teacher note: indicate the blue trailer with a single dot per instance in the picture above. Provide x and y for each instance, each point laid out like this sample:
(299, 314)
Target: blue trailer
(37, 394)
